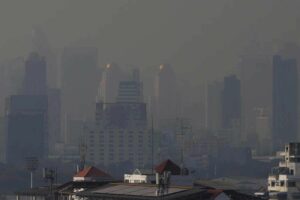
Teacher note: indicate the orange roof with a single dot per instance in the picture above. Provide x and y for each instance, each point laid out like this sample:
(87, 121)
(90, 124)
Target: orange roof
(214, 192)
(168, 165)
(92, 172)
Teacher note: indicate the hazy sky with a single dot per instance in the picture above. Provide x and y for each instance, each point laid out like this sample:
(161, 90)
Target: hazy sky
(200, 38)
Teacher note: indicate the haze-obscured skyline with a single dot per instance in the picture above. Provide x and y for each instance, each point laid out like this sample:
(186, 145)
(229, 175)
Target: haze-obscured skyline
(201, 39)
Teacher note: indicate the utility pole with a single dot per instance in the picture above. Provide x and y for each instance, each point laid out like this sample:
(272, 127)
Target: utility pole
(32, 165)
(152, 144)
(49, 175)
(182, 132)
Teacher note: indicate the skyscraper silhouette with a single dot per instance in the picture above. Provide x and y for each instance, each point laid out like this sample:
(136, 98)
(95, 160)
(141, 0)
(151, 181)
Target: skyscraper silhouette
(35, 78)
(108, 90)
(165, 93)
(285, 101)
(41, 45)
(27, 114)
(231, 102)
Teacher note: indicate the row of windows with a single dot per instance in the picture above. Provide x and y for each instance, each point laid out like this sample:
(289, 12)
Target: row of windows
(282, 183)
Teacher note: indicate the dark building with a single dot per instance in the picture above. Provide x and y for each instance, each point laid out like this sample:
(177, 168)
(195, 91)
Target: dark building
(231, 102)
(54, 118)
(165, 94)
(41, 45)
(26, 117)
(35, 78)
(285, 101)
(214, 106)
(121, 115)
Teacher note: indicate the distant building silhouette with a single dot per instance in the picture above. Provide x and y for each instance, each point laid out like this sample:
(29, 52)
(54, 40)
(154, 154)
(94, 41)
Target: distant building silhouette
(285, 101)
(26, 117)
(263, 131)
(256, 90)
(41, 45)
(54, 118)
(121, 132)
(231, 102)
(35, 77)
(131, 90)
(11, 79)
(109, 85)
(165, 93)
(214, 106)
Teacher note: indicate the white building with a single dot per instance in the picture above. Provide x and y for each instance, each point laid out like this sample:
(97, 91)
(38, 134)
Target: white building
(113, 146)
(284, 180)
(140, 176)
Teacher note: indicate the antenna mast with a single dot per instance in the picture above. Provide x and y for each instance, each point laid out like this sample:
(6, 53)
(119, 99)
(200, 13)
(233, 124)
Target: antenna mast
(152, 144)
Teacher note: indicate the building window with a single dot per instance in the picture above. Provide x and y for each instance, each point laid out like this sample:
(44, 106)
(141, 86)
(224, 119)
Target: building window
(273, 184)
(291, 184)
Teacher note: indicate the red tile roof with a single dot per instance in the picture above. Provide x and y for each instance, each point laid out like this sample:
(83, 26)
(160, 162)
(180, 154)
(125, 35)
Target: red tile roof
(92, 172)
(168, 165)
(214, 192)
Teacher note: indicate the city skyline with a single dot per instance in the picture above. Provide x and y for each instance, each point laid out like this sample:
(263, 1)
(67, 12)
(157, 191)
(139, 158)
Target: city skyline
(123, 85)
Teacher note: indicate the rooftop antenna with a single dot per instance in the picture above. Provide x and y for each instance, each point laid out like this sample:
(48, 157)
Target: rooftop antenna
(49, 175)
(183, 129)
(31, 165)
(152, 144)
(82, 151)
(163, 182)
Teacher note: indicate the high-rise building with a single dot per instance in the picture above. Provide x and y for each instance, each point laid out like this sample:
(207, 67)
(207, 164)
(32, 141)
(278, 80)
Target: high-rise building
(2, 140)
(35, 77)
(131, 90)
(121, 133)
(41, 45)
(109, 84)
(11, 79)
(256, 90)
(285, 101)
(80, 76)
(214, 106)
(165, 92)
(231, 102)
(54, 118)
(26, 117)
(263, 131)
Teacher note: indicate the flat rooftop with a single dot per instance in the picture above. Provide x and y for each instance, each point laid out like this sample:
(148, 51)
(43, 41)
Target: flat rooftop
(135, 189)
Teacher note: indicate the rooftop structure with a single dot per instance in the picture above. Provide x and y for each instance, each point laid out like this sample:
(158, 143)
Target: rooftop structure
(168, 165)
(91, 174)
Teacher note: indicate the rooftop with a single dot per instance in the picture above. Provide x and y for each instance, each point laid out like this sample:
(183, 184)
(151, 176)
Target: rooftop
(92, 172)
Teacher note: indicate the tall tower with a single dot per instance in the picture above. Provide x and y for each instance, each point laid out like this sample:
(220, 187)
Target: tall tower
(165, 93)
(214, 106)
(111, 77)
(285, 101)
(35, 79)
(41, 45)
(26, 126)
(256, 89)
(231, 102)
(131, 90)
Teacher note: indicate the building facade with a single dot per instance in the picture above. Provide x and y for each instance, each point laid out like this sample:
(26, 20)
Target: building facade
(120, 133)
(27, 136)
(35, 78)
(285, 101)
(231, 102)
(165, 94)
